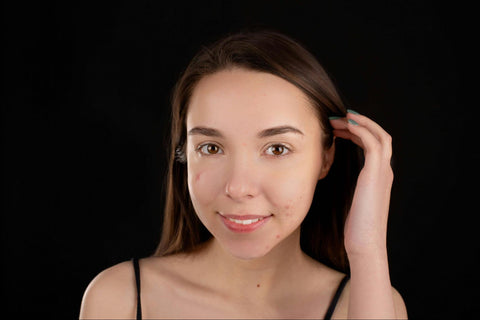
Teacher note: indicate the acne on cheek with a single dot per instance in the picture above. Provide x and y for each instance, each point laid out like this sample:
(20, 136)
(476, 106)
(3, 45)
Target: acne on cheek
(287, 189)
(291, 203)
(198, 186)
(292, 209)
(206, 183)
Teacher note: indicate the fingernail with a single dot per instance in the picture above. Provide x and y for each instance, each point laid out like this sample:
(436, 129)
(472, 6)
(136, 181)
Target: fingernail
(334, 118)
(352, 111)
(353, 122)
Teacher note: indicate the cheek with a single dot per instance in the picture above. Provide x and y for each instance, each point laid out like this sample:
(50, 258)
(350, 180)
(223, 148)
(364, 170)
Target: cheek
(291, 197)
(293, 200)
(292, 192)
(204, 184)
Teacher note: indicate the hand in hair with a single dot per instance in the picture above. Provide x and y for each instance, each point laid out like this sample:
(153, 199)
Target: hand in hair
(366, 224)
(365, 233)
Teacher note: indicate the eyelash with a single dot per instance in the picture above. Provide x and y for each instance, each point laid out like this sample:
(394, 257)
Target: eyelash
(202, 146)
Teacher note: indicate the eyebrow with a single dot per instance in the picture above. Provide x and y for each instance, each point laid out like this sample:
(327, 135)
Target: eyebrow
(210, 132)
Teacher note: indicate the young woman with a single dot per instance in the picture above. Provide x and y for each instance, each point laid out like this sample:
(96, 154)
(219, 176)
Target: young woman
(258, 133)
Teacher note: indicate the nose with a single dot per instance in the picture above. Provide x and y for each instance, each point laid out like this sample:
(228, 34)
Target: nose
(241, 180)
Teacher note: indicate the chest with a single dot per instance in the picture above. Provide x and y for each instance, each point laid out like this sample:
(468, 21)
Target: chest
(185, 303)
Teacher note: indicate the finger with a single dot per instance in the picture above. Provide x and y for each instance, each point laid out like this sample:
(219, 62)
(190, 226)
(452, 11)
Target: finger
(341, 123)
(374, 127)
(342, 130)
(347, 135)
(338, 123)
(371, 144)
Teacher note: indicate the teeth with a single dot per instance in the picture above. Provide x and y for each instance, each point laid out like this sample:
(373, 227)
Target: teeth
(249, 221)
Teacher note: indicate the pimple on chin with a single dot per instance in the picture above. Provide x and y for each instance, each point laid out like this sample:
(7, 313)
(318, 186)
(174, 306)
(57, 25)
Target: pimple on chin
(197, 177)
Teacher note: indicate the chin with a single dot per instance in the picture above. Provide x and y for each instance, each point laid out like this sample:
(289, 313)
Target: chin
(247, 250)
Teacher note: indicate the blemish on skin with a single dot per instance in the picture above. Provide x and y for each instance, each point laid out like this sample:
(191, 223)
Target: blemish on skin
(197, 177)
(289, 204)
(258, 285)
(278, 236)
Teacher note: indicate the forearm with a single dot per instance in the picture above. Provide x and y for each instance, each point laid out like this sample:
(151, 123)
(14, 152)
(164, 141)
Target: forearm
(370, 288)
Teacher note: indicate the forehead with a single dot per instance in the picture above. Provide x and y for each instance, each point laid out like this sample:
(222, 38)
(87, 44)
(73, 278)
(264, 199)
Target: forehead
(239, 99)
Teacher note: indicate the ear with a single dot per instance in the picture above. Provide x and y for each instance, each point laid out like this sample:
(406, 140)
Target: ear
(328, 157)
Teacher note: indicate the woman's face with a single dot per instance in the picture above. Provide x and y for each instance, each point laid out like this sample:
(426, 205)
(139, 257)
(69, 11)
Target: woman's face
(254, 156)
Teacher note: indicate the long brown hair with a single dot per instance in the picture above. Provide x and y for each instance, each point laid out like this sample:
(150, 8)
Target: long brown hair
(275, 53)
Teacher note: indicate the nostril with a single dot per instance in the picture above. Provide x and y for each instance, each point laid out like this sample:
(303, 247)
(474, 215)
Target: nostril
(239, 192)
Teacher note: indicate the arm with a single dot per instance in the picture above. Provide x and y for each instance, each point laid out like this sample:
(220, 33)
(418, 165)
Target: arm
(371, 293)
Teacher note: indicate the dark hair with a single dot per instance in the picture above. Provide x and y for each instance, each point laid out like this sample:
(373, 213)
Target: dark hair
(275, 53)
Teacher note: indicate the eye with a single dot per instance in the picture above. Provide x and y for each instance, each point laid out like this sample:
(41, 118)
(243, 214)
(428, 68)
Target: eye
(277, 150)
(209, 149)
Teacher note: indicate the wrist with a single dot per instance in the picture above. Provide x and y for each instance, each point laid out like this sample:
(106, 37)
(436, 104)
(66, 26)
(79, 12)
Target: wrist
(367, 253)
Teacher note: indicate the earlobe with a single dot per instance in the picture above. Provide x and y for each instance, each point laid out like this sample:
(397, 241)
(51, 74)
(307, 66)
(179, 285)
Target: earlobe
(328, 157)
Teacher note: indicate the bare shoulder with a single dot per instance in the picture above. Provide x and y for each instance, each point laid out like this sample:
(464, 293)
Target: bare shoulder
(341, 311)
(111, 294)
(400, 308)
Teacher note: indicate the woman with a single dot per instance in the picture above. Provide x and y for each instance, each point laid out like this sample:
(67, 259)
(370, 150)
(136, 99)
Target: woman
(255, 124)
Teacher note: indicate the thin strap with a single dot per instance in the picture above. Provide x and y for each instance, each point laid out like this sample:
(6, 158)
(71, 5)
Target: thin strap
(333, 304)
(136, 268)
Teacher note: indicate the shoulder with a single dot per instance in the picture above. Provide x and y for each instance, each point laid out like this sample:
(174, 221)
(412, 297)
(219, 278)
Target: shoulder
(341, 311)
(400, 308)
(111, 294)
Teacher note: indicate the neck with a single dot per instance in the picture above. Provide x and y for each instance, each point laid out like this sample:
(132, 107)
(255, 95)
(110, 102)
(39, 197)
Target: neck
(259, 278)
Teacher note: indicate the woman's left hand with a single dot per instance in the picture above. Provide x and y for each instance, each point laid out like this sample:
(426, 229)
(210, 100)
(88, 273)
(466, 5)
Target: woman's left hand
(366, 225)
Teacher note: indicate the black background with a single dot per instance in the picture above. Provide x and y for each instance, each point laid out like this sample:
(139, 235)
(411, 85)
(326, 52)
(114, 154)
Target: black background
(85, 120)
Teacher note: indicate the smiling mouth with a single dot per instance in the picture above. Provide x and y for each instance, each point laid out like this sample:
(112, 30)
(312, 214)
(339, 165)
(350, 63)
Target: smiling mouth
(243, 223)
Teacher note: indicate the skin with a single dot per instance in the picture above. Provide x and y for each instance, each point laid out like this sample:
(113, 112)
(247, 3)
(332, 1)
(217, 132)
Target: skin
(233, 169)
(244, 176)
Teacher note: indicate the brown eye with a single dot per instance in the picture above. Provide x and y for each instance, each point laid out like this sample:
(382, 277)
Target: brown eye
(277, 150)
(209, 149)
(212, 149)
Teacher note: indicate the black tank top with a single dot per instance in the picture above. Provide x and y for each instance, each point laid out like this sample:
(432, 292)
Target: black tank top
(328, 314)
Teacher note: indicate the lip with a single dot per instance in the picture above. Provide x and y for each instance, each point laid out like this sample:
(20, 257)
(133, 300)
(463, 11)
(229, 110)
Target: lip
(243, 228)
